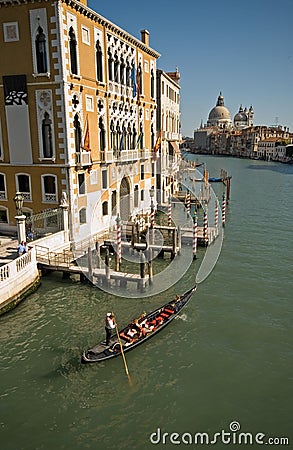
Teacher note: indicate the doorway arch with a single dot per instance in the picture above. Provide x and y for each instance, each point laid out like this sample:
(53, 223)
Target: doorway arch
(124, 196)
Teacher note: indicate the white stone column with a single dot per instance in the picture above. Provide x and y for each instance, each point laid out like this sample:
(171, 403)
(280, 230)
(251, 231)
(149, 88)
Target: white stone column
(20, 222)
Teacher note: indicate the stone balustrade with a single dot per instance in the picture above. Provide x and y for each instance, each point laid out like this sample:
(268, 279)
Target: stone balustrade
(17, 278)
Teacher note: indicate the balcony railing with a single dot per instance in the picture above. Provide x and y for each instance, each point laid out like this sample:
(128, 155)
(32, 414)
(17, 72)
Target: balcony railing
(119, 89)
(109, 156)
(26, 196)
(51, 198)
(84, 159)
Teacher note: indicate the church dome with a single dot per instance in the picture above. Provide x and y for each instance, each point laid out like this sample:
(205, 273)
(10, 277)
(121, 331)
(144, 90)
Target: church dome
(240, 117)
(219, 115)
(219, 112)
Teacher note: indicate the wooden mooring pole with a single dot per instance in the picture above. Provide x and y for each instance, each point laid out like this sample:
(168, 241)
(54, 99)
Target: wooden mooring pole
(141, 283)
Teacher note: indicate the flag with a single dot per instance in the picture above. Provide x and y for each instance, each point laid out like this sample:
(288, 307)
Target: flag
(158, 142)
(133, 79)
(86, 139)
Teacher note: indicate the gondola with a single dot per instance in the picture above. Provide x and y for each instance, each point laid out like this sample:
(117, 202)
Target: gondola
(146, 326)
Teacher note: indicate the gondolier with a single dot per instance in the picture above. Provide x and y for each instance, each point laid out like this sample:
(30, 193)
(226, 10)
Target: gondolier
(109, 327)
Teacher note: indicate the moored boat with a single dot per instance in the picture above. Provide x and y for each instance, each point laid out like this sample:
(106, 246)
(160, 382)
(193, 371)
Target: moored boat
(138, 330)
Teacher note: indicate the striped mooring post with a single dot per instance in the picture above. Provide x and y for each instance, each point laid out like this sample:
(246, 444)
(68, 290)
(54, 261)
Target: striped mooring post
(194, 240)
(152, 214)
(119, 245)
(188, 203)
(170, 212)
(223, 210)
(205, 228)
(216, 217)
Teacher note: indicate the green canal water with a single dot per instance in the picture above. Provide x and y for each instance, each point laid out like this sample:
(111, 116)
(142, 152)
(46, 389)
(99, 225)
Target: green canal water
(225, 363)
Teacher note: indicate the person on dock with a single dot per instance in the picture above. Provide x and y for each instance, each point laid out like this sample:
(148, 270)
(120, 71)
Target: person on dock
(21, 248)
(109, 327)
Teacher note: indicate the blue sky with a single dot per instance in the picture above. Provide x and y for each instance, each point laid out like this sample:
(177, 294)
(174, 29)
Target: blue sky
(243, 49)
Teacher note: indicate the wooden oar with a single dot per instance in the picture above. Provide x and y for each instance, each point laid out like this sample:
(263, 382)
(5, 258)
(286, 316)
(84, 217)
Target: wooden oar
(122, 351)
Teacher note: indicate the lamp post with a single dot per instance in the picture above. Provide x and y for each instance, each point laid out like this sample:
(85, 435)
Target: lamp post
(20, 217)
(65, 215)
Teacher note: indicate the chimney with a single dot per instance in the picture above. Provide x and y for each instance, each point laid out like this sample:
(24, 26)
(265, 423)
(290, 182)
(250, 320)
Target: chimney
(145, 37)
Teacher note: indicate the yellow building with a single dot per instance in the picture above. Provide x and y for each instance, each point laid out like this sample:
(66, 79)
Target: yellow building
(77, 114)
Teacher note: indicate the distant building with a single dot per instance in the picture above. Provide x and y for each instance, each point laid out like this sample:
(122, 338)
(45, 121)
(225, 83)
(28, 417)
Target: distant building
(244, 118)
(273, 149)
(168, 124)
(242, 139)
(219, 121)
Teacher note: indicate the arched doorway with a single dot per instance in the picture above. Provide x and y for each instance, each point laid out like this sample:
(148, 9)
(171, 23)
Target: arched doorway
(125, 199)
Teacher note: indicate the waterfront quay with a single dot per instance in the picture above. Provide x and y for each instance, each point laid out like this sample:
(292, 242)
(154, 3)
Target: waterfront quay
(102, 259)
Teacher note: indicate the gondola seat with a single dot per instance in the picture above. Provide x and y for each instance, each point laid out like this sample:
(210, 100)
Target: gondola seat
(125, 337)
(160, 320)
(166, 316)
(169, 311)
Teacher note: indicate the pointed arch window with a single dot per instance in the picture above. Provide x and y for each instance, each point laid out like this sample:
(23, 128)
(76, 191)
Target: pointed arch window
(139, 79)
(152, 137)
(118, 136)
(141, 137)
(47, 136)
(73, 51)
(128, 74)
(134, 137)
(152, 84)
(116, 68)
(112, 135)
(41, 51)
(122, 71)
(110, 65)
(77, 133)
(105, 208)
(114, 201)
(129, 137)
(102, 135)
(99, 61)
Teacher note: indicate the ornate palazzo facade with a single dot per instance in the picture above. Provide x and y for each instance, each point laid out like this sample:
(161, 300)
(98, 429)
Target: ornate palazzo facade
(77, 114)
